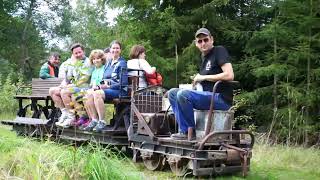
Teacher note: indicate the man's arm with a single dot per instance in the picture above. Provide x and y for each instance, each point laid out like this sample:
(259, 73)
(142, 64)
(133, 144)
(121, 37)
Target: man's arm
(226, 75)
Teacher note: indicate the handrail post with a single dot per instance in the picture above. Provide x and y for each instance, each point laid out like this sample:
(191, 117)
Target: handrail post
(211, 115)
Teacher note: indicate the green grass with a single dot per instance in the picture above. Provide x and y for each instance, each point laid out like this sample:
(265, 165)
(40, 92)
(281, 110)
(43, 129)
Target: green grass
(35, 159)
(7, 116)
(283, 162)
(32, 159)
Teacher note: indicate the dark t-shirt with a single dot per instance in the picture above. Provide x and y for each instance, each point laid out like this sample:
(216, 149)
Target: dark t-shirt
(211, 64)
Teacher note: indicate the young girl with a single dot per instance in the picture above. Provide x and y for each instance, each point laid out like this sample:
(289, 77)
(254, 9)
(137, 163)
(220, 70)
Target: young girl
(98, 59)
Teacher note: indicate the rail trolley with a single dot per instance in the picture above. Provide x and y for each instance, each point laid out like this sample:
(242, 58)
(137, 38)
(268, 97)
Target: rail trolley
(217, 149)
(144, 122)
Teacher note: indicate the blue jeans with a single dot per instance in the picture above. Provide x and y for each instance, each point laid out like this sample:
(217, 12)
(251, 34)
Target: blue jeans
(113, 93)
(183, 101)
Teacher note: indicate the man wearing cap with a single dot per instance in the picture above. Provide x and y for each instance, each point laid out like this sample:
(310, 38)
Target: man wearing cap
(215, 66)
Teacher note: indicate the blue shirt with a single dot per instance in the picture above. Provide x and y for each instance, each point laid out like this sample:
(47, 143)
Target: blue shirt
(117, 74)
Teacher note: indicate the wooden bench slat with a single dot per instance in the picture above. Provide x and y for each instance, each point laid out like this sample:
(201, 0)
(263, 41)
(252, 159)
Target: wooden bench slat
(40, 88)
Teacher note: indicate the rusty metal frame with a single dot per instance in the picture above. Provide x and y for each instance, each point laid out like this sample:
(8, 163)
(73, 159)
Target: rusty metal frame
(206, 138)
(143, 121)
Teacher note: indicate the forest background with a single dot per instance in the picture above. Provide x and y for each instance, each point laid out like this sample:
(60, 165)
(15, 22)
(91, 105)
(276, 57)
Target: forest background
(274, 45)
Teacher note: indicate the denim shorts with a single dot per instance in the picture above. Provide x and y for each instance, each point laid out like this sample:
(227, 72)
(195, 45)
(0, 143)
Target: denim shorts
(75, 90)
(111, 94)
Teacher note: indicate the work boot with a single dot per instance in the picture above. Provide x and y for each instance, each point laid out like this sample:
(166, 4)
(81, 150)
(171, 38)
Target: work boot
(179, 136)
(183, 136)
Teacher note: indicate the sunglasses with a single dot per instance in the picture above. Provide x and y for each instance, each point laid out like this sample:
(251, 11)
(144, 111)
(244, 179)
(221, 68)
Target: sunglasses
(205, 40)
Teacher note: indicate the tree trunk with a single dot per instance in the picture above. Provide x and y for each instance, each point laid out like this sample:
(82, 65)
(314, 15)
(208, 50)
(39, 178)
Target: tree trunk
(275, 81)
(1, 7)
(177, 60)
(306, 140)
(25, 59)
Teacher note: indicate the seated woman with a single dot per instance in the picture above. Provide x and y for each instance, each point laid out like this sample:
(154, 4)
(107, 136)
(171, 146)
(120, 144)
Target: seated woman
(111, 89)
(138, 62)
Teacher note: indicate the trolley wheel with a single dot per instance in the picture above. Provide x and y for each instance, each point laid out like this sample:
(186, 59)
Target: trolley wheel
(179, 167)
(155, 162)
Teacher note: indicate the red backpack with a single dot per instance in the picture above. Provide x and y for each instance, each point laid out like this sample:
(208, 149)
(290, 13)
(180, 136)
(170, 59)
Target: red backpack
(154, 79)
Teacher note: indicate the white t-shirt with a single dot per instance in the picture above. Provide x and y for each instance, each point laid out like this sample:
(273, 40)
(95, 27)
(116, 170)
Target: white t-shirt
(140, 64)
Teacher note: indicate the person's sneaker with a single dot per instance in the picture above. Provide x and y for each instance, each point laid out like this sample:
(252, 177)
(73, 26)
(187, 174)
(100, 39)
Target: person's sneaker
(84, 125)
(91, 125)
(68, 121)
(61, 120)
(100, 126)
(81, 121)
(180, 136)
(74, 123)
(63, 117)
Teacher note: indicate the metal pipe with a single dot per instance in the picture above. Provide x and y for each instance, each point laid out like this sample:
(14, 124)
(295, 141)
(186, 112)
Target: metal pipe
(205, 139)
(208, 124)
(211, 109)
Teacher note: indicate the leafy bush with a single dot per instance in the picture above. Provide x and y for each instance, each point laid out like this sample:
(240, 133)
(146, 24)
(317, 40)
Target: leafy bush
(8, 89)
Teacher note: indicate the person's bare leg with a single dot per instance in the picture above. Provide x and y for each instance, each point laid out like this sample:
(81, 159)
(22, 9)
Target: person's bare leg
(99, 104)
(89, 106)
(55, 93)
(66, 98)
(100, 107)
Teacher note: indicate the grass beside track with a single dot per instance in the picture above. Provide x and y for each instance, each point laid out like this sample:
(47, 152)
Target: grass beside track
(33, 159)
(25, 158)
